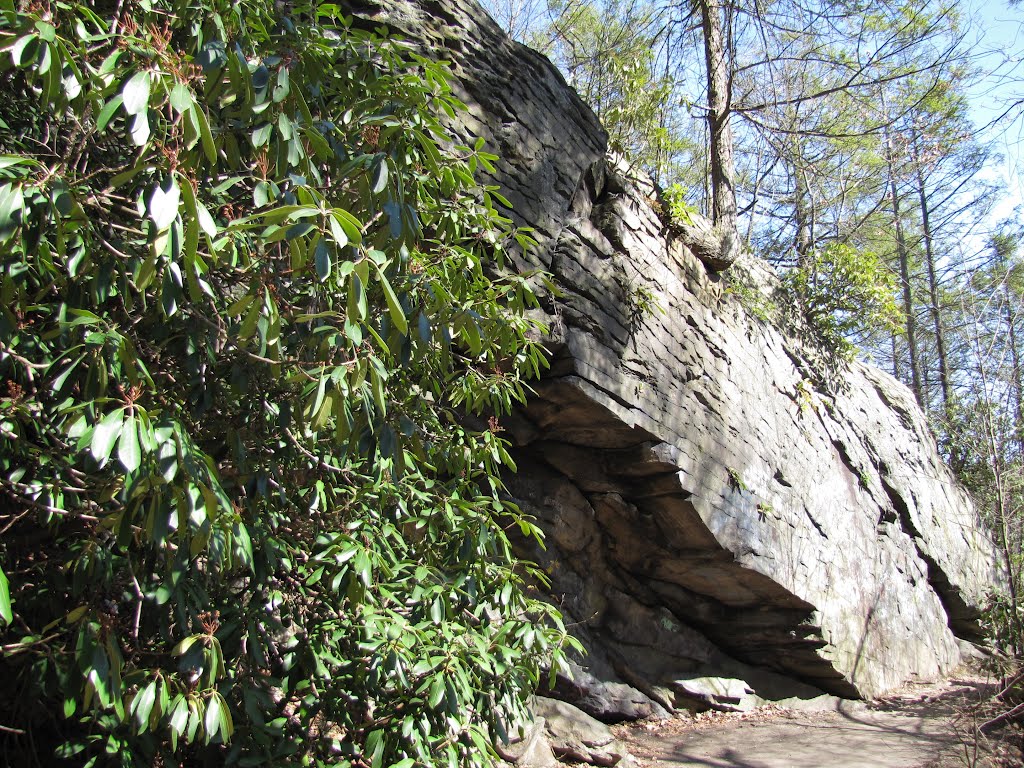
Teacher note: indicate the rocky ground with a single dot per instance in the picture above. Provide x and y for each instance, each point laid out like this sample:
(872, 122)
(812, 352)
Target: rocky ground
(921, 726)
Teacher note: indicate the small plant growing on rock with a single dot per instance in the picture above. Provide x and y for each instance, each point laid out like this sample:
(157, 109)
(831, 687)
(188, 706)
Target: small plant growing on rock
(640, 303)
(837, 291)
(756, 303)
(679, 211)
(737, 480)
(805, 394)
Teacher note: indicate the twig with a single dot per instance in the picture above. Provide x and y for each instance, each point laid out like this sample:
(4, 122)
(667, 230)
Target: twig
(139, 597)
(29, 365)
(1017, 677)
(15, 648)
(313, 457)
(223, 336)
(46, 507)
(1002, 719)
(113, 250)
(14, 519)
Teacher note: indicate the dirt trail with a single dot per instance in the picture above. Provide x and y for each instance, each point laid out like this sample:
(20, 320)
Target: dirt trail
(920, 727)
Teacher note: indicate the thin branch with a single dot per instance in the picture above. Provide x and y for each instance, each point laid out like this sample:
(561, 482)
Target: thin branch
(312, 456)
(1002, 719)
(46, 507)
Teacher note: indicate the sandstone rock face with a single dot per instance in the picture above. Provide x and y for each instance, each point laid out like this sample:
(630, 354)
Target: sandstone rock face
(710, 509)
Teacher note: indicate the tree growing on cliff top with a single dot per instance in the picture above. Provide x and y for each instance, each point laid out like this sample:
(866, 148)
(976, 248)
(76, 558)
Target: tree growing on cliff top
(244, 313)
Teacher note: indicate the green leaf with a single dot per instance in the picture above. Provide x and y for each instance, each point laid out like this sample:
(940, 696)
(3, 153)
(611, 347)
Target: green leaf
(140, 129)
(357, 305)
(142, 705)
(98, 676)
(379, 175)
(251, 318)
(11, 202)
(170, 289)
(340, 236)
(349, 223)
(21, 52)
(103, 118)
(181, 98)
(179, 718)
(136, 93)
(163, 203)
(183, 645)
(212, 721)
(375, 747)
(227, 726)
(261, 135)
(209, 148)
(299, 229)
(126, 176)
(128, 452)
(6, 613)
(394, 307)
(9, 161)
(206, 222)
(322, 259)
(436, 692)
(239, 306)
(282, 88)
(261, 194)
(195, 717)
(105, 434)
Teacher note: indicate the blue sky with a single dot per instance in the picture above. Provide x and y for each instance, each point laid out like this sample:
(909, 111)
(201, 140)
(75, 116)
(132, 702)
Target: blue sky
(1000, 47)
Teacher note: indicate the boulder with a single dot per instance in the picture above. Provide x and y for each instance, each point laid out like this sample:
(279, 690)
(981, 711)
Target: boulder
(721, 693)
(604, 697)
(575, 736)
(717, 502)
(528, 748)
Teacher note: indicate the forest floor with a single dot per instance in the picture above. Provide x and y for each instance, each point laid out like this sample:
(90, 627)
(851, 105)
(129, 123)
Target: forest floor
(919, 726)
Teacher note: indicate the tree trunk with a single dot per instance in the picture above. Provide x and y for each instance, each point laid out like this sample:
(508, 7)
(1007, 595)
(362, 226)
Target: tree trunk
(933, 289)
(1016, 382)
(903, 254)
(803, 237)
(723, 173)
(1015, 373)
(896, 374)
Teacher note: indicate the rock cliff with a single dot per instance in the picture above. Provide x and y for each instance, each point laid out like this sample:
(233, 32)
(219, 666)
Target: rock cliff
(719, 526)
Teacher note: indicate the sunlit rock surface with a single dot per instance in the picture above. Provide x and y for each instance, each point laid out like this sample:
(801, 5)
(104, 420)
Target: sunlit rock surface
(712, 512)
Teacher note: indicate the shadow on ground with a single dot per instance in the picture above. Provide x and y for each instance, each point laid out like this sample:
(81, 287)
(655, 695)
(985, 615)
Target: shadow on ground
(920, 728)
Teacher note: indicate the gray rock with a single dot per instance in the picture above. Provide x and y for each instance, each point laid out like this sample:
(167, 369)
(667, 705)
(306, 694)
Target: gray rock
(721, 693)
(529, 748)
(972, 652)
(607, 699)
(823, 703)
(576, 736)
(712, 508)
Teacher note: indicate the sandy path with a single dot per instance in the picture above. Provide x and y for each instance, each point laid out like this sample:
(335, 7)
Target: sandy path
(918, 728)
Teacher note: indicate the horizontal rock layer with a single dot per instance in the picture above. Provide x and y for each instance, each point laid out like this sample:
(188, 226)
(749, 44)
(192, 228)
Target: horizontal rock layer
(710, 510)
